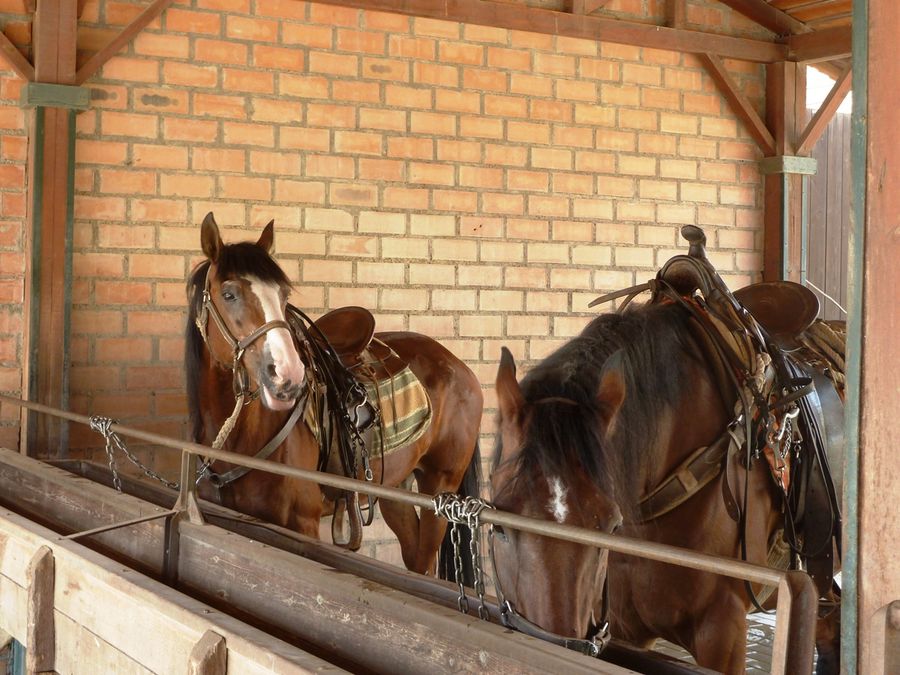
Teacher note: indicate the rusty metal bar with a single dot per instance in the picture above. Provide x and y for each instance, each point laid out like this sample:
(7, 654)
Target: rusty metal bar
(650, 550)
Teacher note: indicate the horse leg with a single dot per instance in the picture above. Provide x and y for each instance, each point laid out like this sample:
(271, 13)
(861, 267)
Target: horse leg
(420, 536)
(720, 636)
(828, 641)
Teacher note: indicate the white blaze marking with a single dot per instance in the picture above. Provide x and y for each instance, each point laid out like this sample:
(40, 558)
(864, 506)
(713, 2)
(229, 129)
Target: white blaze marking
(558, 506)
(287, 362)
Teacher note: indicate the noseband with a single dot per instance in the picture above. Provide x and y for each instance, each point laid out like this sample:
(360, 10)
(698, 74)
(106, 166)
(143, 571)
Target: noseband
(593, 644)
(241, 382)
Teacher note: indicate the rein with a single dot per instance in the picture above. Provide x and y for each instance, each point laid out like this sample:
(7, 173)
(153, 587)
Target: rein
(593, 644)
(241, 386)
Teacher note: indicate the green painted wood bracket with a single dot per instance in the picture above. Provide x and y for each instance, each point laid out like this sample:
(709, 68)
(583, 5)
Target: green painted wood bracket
(45, 95)
(789, 164)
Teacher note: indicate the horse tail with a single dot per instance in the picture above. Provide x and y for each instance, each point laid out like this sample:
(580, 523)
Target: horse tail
(470, 487)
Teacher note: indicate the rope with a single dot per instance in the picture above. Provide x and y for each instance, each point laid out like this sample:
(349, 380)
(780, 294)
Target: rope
(228, 425)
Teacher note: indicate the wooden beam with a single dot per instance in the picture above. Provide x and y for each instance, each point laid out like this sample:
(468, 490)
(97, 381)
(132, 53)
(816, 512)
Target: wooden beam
(676, 13)
(825, 113)
(41, 631)
(767, 16)
(827, 44)
(14, 59)
(739, 103)
(209, 656)
(588, 6)
(140, 22)
(518, 17)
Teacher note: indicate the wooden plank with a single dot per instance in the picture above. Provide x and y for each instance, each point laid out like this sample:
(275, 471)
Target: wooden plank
(47, 95)
(818, 189)
(15, 59)
(767, 16)
(879, 395)
(834, 209)
(301, 598)
(518, 17)
(208, 657)
(96, 62)
(826, 44)
(740, 104)
(41, 631)
(133, 613)
(825, 113)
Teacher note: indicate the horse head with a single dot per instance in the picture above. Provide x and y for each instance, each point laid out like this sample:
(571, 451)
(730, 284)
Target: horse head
(241, 316)
(546, 467)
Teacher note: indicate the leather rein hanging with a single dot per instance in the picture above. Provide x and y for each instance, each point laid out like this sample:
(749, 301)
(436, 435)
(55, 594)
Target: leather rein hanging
(241, 387)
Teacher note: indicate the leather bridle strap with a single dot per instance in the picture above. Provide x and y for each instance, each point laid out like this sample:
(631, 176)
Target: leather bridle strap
(593, 644)
(220, 480)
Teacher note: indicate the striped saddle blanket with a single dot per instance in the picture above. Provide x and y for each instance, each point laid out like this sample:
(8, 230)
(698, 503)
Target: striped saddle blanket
(404, 410)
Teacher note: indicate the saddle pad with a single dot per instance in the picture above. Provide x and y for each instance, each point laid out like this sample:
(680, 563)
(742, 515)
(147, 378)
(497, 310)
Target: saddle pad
(404, 407)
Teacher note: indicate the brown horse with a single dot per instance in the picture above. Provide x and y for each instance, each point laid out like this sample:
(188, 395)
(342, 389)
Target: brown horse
(246, 373)
(592, 428)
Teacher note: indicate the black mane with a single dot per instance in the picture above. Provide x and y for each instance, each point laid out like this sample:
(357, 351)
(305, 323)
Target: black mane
(235, 260)
(654, 343)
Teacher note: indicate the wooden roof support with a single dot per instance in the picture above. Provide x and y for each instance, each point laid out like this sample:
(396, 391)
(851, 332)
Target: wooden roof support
(517, 17)
(739, 103)
(676, 13)
(767, 16)
(825, 113)
(588, 6)
(14, 59)
(827, 44)
(136, 26)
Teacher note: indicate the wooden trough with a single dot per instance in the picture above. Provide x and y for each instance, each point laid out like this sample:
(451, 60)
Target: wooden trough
(274, 610)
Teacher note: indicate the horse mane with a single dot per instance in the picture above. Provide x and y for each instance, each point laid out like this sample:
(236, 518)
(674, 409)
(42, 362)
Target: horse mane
(235, 260)
(562, 439)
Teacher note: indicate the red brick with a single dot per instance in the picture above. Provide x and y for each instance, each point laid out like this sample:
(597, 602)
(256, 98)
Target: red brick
(127, 124)
(480, 177)
(575, 183)
(189, 185)
(376, 118)
(93, 208)
(296, 191)
(221, 51)
(122, 293)
(241, 187)
(599, 69)
(405, 198)
(432, 123)
(528, 132)
(358, 142)
(116, 236)
(576, 90)
(279, 58)
(455, 200)
(410, 147)
(530, 85)
(255, 81)
(432, 174)
(303, 86)
(353, 194)
(509, 59)
(189, 75)
(248, 28)
(436, 28)
(505, 155)
(186, 21)
(333, 64)
(488, 80)
(503, 202)
(195, 131)
(158, 209)
(458, 151)
(299, 138)
(164, 46)
(480, 127)
(271, 110)
(539, 205)
(128, 182)
(249, 134)
(330, 166)
(554, 64)
(279, 163)
(131, 69)
(412, 47)
(353, 90)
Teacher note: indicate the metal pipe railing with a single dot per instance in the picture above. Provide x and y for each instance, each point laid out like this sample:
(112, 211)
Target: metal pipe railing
(665, 553)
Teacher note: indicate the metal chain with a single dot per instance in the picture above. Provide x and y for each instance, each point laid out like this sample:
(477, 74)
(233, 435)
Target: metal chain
(464, 511)
(103, 425)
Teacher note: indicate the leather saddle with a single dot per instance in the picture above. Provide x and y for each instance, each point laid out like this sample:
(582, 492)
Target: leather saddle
(785, 309)
(350, 331)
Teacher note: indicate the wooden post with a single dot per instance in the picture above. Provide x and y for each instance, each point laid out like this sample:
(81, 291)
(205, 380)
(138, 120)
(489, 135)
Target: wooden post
(875, 324)
(41, 630)
(209, 656)
(785, 118)
(48, 249)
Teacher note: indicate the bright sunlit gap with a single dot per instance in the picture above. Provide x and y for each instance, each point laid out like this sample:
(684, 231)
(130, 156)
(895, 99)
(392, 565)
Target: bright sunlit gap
(817, 87)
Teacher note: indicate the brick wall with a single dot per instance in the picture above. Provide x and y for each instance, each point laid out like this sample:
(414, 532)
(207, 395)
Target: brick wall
(474, 184)
(13, 150)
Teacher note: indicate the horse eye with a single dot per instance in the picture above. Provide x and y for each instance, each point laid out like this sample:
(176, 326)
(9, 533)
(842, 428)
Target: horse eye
(500, 533)
(228, 296)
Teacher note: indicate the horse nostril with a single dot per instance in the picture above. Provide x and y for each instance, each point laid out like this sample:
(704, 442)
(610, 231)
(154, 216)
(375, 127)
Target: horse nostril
(271, 371)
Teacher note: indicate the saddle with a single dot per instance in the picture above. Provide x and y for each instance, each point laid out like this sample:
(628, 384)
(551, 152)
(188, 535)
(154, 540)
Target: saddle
(785, 309)
(350, 331)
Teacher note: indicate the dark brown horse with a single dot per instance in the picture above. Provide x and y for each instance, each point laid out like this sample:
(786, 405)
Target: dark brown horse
(591, 430)
(246, 373)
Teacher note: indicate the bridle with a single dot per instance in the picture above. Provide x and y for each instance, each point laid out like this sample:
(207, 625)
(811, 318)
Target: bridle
(598, 634)
(241, 386)
(241, 382)
(593, 644)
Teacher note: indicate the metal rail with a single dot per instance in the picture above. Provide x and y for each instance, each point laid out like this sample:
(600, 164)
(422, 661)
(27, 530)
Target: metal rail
(736, 569)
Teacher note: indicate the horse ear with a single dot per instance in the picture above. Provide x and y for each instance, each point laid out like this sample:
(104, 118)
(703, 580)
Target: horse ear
(509, 394)
(210, 239)
(266, 240)
(612, 389)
